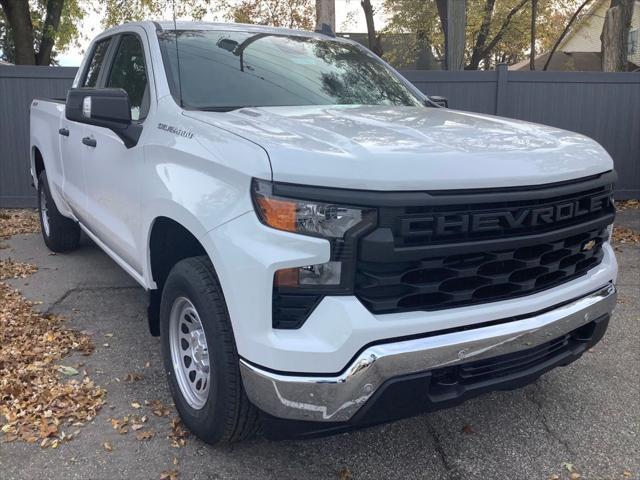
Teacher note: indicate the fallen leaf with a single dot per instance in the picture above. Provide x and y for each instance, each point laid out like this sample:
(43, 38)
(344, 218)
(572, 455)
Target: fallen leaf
(625, 235)
(568, 466)
(136, 405)
(16, 222)
(32, 346)
(468, 429)
(107, 446)
(158, 408)
(555, 476)
(146, 435)
(68, 371)
(133, 377)
(574, 476)
(169, 475)
(344, 474)
(627, 474)
(175, 460)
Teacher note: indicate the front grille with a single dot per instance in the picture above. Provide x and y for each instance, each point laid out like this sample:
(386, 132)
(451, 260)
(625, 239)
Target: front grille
(485, 252)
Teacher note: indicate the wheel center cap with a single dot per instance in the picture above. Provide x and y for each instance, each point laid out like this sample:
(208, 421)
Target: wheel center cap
(200, 354)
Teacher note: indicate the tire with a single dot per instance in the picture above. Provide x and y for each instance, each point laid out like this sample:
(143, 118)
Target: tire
(60, 233)
(217, 410)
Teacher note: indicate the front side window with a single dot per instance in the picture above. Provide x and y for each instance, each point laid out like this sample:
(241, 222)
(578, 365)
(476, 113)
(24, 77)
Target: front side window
(97, 60)
(223, 70)
(129, 73)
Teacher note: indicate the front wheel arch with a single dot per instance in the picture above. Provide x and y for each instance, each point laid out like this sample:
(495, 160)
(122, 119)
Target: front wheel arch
(169, 242)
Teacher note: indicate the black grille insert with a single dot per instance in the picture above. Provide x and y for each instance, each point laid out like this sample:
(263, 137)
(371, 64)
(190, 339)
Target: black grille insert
(409, 263)
(444, 282)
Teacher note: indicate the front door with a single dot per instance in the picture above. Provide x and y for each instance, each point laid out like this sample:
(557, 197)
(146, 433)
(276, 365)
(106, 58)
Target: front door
(111, 169)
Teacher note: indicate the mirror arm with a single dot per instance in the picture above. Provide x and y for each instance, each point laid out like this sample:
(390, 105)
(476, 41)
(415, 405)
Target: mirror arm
(130, 134)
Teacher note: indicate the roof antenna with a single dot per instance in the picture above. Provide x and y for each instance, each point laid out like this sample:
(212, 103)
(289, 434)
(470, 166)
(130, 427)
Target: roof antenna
(175, 31)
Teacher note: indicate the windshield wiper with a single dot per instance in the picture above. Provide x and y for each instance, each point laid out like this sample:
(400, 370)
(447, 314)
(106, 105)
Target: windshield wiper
(224, 109)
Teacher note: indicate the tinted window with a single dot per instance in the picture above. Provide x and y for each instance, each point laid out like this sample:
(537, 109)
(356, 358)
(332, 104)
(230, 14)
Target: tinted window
(128, 72)
(233, 69)
(97, 59)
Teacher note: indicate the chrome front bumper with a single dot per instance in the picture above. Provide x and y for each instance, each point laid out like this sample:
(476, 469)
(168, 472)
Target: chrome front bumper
(336, 398)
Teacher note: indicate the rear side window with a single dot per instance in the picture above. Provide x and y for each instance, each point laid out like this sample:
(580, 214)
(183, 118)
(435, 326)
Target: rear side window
(128, 72)
(97, 59)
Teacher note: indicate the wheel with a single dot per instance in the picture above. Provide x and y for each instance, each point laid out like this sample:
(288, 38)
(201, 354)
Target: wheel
(60, 233)
(200, 355)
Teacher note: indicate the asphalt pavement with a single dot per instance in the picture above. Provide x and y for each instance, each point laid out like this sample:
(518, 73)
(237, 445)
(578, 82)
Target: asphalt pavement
(583, 419)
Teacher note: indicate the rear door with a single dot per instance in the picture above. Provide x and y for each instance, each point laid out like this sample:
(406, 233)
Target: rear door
(72, 151)
(112, 171)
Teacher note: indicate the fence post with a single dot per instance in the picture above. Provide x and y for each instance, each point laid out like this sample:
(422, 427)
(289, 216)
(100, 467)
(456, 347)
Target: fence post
(501, 88)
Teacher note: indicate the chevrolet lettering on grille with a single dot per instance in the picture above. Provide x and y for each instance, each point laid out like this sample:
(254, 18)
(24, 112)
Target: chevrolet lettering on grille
(507, 220)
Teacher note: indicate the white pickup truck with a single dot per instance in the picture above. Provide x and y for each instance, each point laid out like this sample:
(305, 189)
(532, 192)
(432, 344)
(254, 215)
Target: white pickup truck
(324, 247)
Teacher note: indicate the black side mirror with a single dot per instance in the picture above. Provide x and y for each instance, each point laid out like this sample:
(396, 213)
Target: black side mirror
(439, 101)
(104, 107)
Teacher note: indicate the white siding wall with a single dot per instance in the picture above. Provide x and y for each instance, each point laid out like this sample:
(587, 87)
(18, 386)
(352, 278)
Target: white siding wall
(586, 38)
(634, 56)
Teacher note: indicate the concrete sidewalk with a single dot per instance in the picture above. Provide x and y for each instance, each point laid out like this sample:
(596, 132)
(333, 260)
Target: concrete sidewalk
(586, 414)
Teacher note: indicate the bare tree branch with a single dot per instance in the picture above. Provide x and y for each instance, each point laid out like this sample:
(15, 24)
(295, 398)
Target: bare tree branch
(564, 33)
(503, 28)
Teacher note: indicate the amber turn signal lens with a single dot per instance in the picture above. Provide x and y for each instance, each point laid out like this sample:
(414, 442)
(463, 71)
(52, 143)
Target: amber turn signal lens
(288, 277)
(279, 214)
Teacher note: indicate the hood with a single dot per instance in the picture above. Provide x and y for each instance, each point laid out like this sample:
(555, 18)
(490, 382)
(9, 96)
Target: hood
(409, 148)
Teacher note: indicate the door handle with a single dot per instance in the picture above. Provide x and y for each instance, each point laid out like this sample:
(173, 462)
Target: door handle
(90, 142)
(64, 132)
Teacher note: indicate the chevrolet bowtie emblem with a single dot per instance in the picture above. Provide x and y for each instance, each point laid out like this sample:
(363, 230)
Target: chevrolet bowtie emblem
(589, 245)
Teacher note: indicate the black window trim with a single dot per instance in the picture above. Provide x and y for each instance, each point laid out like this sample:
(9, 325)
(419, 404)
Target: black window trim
(110, 59)
(105, 61)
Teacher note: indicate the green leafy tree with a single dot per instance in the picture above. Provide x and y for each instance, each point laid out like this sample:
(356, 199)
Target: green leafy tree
(122, 11)
(497, 30)
(275, 13)
(29, 30)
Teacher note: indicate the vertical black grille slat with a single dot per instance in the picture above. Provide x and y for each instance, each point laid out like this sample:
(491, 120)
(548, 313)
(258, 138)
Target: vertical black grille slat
(436, 272)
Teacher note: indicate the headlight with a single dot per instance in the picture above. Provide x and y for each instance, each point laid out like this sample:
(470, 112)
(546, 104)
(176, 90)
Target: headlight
(297, 290)
(307, 217)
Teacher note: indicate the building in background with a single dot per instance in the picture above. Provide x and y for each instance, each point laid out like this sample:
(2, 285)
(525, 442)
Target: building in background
(581, 49)
(401, 50)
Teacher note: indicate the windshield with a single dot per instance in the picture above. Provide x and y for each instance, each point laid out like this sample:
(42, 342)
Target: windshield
(224, 70)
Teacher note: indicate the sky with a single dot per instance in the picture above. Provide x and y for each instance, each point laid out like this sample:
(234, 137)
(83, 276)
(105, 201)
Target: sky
(349, 18)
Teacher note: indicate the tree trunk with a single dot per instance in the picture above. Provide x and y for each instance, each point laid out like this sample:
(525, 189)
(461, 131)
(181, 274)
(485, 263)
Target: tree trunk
(532, 53)
(374, 40)
(19, 20)
(503, 27)
(453, 17)
(51, 24)
(481, 39)
(325, 15)
(615, 33)
(564, 33)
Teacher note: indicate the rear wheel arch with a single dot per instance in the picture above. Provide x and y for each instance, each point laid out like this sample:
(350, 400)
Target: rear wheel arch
(38, 163)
